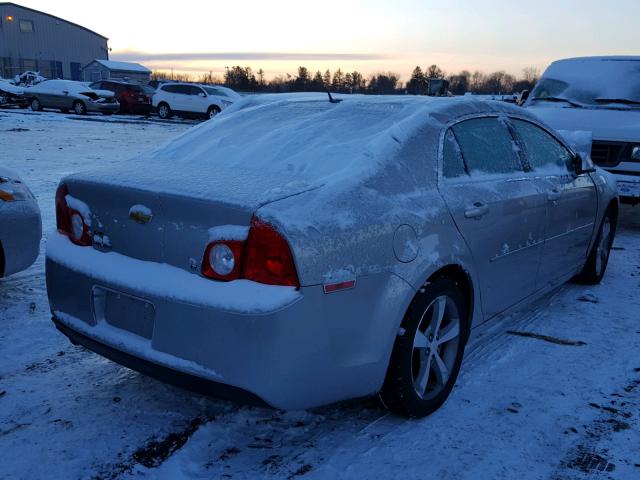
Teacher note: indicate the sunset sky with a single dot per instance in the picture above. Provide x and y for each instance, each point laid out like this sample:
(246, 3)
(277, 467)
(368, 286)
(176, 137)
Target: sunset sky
(369, 36)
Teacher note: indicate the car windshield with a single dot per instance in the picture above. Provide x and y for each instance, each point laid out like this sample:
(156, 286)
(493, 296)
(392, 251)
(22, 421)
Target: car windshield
(591, 82)
(215, 91)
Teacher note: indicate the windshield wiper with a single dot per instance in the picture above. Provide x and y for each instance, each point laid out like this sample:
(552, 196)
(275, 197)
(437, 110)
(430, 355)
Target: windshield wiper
(623, 101)
(558, 99)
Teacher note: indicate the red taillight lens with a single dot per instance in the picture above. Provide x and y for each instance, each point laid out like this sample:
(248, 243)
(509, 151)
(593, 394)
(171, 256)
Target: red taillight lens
(223, 260)
(69, 221)
(265, 257)
(268, 258)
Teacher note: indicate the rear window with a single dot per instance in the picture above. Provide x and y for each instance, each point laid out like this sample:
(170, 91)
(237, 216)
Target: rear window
(487, 146)
(541, 149)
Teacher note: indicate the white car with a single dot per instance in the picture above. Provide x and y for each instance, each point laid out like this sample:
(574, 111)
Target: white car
(599, 95)
(187, 99)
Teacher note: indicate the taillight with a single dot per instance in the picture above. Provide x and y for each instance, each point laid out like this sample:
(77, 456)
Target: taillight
(265, 257)
(70, 221)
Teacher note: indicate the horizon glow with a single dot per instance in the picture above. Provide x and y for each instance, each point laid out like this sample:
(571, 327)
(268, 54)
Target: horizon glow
(368, 36)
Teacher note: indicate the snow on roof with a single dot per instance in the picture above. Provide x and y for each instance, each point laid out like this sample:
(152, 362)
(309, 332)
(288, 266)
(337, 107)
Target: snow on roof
(123, 66)
(266, 147)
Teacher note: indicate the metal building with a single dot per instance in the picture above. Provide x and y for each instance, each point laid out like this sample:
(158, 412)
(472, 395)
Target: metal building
(34, 40)
(110, 70)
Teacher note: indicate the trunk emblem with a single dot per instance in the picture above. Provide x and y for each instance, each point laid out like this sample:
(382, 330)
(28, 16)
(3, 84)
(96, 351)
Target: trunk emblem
(140, 214)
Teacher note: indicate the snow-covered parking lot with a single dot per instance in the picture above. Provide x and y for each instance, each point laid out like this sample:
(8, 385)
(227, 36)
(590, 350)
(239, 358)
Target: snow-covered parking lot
(550, 393)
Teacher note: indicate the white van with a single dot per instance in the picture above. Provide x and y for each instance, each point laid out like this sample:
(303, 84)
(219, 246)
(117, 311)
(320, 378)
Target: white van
(601, 95)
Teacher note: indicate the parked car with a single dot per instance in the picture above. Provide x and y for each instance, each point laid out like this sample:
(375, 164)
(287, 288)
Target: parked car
(299, 252)
(156, 83)
(131, 97)
(20, 224)
(68, 95)
(601, 95)
(186, 99)
(11, 94)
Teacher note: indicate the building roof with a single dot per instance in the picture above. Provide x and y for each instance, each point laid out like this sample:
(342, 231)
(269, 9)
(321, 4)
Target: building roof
(3, 4)
(123, 66)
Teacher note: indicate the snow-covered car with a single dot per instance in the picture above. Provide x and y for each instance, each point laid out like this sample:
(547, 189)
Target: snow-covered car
(66, 95)
(600, 95)
(187, 99)
(298, 251)
(20, 224)
(11, 94)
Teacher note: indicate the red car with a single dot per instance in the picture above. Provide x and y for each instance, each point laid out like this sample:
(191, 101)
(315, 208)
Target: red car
(132, 97)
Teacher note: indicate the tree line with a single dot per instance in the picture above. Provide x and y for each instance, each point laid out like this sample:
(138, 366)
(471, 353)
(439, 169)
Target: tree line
(244, 79)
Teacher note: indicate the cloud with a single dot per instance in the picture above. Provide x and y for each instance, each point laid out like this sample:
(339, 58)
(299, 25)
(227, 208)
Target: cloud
(135, 56)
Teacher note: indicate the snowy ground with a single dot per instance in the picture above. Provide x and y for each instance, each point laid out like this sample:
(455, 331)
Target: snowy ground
(524, 408)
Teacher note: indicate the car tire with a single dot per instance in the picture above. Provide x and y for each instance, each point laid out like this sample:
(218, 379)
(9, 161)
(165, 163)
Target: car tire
(213, 111)
(428, 350)
(164, 111)
(598, 258)
(35, 104)
(79, 107)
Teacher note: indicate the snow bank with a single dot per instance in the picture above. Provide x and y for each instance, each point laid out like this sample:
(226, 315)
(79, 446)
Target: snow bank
(167, 282)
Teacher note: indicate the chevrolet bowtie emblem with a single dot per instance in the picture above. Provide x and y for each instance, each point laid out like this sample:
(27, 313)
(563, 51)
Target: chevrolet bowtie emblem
(140, 214)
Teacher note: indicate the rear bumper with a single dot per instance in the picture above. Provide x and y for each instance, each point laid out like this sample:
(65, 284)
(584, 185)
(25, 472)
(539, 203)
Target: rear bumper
(312, 351)
(175, 377)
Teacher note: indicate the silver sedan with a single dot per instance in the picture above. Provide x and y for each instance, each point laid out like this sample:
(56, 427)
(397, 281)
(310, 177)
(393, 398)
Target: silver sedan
(20, 224)
(297, 251)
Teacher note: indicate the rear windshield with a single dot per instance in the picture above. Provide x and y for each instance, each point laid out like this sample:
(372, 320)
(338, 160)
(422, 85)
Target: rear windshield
(594, 81)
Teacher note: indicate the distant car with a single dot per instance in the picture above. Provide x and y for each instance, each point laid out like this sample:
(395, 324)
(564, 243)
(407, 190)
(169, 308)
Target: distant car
(156, 83)
(601, 95)
(20, 224)
(11, 94)
(68, 95)
(186, 99)
(132, 97)
(300, 252)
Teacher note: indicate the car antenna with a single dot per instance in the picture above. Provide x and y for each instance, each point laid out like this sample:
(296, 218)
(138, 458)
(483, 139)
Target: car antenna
(331, 99)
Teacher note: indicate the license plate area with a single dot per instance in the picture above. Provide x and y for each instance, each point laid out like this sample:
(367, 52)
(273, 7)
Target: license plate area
(123, 311)
(629, 189)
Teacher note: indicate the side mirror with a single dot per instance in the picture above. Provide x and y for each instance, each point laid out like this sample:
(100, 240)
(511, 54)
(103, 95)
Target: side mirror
(66, 92)
(582, 165)
(203, 95)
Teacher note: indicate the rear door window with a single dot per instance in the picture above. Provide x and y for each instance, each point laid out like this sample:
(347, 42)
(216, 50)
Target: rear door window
(452, 161)
(542, 150)
(183, 89)
(487, 147)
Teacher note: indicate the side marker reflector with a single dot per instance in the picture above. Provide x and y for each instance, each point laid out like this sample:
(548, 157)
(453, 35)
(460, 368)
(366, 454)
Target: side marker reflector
(336, 287)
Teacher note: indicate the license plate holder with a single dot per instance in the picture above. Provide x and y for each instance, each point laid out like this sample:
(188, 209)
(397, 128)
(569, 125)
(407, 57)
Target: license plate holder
(123, 311)
(629, 189)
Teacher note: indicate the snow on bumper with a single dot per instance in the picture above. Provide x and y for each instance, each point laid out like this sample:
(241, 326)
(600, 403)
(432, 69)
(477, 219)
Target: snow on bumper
(292, 349)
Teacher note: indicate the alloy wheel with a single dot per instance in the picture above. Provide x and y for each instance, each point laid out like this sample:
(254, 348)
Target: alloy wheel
(604, 246)
(435, 347)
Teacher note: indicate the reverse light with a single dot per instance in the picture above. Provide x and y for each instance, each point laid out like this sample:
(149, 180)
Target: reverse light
(222, 260)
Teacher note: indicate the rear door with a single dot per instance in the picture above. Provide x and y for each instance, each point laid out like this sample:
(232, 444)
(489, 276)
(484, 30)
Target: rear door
(182, 98)
(571, 203)
(498, 210)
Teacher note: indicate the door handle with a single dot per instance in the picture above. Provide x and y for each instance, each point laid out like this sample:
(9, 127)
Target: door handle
(477, 211)
(553, 195)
